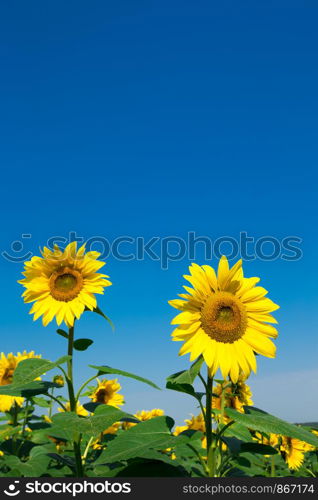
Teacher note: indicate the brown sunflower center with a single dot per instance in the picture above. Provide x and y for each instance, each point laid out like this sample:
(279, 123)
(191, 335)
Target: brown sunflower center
(7, 376)
(65, 284)
(223, 317)
(102, 396)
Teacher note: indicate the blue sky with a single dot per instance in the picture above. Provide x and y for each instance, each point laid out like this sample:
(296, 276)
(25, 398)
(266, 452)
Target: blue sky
(155, 119)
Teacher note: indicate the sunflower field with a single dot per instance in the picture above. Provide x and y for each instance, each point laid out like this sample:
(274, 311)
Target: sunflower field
(224, 322)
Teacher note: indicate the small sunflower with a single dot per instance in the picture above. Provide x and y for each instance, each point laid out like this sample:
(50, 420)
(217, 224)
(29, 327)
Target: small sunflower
(293, 451)
(268, 439)
(107, 393)
(113, 429)
(80, 410)
(224, 317)
(63, 283)
(59, 443)
(143, 415)
(179, 429)
(196, 423)
(235, 396)
(7, 366)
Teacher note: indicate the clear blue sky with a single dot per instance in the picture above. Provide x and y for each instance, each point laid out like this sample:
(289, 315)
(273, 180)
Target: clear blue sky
(156, 118)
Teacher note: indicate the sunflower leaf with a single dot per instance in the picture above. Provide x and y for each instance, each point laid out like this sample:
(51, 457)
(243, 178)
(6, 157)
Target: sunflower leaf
(186, 388)
(262, 449)
(187, 376)
(97, 310)
(27, 390)
(82, 344)
(182, 381)
(66, 424)
(114, 371)
(30, 369)
(62, 333)
(261, 421)
(140, 440)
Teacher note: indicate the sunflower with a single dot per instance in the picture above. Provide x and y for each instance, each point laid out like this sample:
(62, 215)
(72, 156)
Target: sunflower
(113, 429)
(7, 366)
(235, 396)
(107, 393)
(196, 423)
(80, 410)
(224, 317)
(143, 415)
(268, 439)
(63, 283)
(293, 451)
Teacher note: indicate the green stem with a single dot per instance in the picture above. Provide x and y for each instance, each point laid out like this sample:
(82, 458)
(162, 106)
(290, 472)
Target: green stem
(310, 472)
(208, 412)
(202, 462)
(15, 415)
(57, 401)
(208, 425)
(73, 402)
(87, 448)
(273, 473)
(83, 387)
(26, 412)
(69, 379)
(15, 411)
(51, 403)
(203, 382)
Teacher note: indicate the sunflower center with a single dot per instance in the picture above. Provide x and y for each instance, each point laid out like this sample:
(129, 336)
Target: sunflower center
(223, 317)
(225, 314)
(102, 396)
(7, 376)
(65, 284)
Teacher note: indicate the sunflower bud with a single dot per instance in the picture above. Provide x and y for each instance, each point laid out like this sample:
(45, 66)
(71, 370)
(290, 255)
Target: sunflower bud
(59, 380)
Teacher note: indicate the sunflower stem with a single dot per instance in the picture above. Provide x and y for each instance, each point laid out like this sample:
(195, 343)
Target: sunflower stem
(53, 398)
(273, 472)
(83, 387)
(25, 419)
(208, 426)
(73, 402)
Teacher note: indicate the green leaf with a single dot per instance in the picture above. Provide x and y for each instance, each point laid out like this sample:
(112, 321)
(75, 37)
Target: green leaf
(82, 344)
(62, 333)
(65, 424)
(34, 467)
(154, 434)
(7, 431)
(182, 381)
(264, 422)
(238, 431)
(43, 403)
(27, 390)
(188, 444)
(68, 461)
(262, 449)
(114, 371)
(187, 376)
(97, 310)
(32, 368)
(186, 388)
